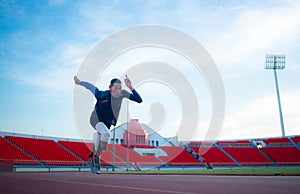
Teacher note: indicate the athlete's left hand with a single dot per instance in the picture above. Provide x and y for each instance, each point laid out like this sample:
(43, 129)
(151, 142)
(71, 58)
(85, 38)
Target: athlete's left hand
(128, 83)
(76, 80)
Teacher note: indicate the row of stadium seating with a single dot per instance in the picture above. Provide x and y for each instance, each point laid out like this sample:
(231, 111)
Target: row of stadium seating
(214, 156)
(177, 156)
(283, 155)
(33, 151)
(11, 154)
(276, 151)
(296, 139)
(278, 141)
(82, 149)
(248, 156)
(47, 151)
(135, 158)
(247, 143)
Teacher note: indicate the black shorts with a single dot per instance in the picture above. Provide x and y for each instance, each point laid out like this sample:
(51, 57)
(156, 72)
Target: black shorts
(94, 120)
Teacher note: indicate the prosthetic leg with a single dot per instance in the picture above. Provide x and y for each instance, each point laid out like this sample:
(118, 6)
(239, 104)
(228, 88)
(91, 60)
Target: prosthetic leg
(97, 164)
(91, 160)
(94, 156)
(100, 138)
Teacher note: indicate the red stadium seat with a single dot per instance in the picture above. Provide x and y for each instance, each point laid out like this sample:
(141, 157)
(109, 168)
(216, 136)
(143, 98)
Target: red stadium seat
(284, 155)
(278, 141)
(68, 153)
(47, 151)
(214, 156)
(296, 139)
(83, 149)
(134, 157)
(11, 154)
(238, 143)
(177, 156)
(248, 156)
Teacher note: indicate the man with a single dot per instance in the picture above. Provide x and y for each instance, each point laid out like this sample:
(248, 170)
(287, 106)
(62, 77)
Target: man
(106, 113)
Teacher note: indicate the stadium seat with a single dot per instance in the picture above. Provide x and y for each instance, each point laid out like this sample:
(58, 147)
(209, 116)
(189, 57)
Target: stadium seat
(238, 143)
(214, 156)
(47, 151)
(284, 155)
(278, 141)
(296, 139)
(135, 158)
(248, 156)
(12, 154)
(177, 156)
(33, 151)
(83, 149)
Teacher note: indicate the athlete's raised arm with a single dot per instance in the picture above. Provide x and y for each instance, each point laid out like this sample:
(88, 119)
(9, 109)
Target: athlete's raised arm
(134, 95)
(85, 84)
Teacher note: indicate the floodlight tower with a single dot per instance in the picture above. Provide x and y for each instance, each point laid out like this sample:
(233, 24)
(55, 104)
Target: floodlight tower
(276, 62)
(127, 137)
(114, 148)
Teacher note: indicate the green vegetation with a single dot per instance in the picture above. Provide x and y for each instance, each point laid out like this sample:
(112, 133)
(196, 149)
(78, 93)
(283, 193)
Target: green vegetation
(221, 171)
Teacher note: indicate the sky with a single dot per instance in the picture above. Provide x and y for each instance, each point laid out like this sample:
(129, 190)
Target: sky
(43, 44)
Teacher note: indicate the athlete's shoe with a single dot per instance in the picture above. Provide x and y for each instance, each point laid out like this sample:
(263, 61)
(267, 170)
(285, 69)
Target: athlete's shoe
(92, 164)
(97, 165)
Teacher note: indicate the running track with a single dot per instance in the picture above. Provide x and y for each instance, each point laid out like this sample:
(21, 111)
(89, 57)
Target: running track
(84, 182)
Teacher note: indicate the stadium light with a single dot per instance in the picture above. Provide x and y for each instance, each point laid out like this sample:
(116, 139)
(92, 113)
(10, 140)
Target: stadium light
(277, 62)
(127, 143)
(114, 148)
(127, 136)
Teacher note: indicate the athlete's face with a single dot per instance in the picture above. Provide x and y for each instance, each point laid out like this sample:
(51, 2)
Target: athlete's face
(115, 90)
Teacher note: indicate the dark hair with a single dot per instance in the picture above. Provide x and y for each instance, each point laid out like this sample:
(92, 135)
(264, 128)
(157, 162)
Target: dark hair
(115, 80)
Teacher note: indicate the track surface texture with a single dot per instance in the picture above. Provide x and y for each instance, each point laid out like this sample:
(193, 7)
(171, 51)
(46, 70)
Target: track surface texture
(84, 182)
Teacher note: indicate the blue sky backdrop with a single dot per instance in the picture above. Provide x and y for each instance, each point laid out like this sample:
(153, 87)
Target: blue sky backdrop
(43, 43)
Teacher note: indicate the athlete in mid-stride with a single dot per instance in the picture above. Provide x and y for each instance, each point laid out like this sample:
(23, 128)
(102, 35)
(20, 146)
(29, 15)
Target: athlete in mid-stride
(106, 113)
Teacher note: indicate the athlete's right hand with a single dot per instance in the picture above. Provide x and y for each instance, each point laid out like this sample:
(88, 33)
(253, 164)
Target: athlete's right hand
(76, 80)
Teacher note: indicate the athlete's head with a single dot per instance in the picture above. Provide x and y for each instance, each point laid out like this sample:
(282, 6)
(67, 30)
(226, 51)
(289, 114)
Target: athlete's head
(115, 87)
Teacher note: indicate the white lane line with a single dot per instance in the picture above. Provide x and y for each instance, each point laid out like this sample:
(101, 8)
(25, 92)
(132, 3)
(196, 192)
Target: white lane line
(108, 185)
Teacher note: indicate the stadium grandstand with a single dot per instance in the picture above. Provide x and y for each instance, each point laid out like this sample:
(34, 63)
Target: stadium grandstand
(25, 151)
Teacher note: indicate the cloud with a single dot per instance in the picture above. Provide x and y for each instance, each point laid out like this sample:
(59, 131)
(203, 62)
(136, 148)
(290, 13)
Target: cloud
(57, 74)
(238, 33)
(97, 19)
(260, 118)
(256, 31)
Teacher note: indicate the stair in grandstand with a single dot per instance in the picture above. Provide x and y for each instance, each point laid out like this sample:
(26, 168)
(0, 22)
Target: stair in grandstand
(42, 163)
(72, 152)
(119, 157)
(267, 156)
(163, 162)
(136, 167)
(263, 153)
(177, 156)
(226, 153)
(294, 143)
(194, 154)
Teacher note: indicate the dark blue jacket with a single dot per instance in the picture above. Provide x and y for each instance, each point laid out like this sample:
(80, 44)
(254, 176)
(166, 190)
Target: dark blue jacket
(108, 107)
